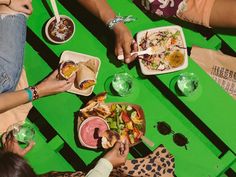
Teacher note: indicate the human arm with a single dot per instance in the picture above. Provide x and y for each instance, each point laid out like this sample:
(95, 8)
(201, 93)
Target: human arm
(24, 6)
(49, 86)
(115, 157)
(124, 40)
(4, 2)
(223, 14)
(14, 99)
(10, 144)
(102, 169)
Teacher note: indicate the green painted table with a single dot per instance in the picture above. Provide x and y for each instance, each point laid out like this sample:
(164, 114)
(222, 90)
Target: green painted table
(202, 156)
(228, 36)
(45, 156)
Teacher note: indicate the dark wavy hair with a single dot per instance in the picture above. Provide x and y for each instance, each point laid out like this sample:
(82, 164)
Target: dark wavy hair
(13, 165)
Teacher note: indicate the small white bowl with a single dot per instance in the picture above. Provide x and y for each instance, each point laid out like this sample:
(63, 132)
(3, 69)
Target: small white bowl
(91, 129)
(50, 21)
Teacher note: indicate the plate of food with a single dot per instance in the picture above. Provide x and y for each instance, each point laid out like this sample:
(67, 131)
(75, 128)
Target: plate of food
(85, 67)
(124, 120)
(169, 51)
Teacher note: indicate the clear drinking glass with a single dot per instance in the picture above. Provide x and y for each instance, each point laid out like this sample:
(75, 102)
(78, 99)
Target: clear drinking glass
(23, 132)
(122, 83)
(187, 83)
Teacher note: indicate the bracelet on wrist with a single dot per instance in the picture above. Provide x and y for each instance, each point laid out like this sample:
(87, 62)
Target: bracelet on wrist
(111, 23)
(35, 92)
(30, 94)
(114, 21)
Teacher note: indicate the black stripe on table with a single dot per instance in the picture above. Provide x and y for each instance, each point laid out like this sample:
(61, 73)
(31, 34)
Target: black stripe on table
(85, 99)
(43, 50)
(191, 116)
(204, 31)
(140, 150)
(226, 49)
(71, 157)
(44, 127)
(49, 133)
(230, 173)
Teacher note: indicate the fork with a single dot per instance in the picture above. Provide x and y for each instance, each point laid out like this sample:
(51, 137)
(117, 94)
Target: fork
(149, 51)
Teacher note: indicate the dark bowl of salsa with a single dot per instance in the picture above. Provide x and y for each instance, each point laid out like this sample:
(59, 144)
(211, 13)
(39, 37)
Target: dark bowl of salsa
(60, 32)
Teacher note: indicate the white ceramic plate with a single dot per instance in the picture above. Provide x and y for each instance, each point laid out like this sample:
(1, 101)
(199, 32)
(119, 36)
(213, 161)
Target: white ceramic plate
(147, 71)
(79, 57)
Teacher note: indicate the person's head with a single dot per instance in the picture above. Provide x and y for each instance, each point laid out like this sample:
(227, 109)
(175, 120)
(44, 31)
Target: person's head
(13, 165)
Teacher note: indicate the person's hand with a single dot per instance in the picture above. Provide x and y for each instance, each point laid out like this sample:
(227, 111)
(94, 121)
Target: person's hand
(125, 44)
(10, 144)
(24, 6)
(52, 85)
(117, 156)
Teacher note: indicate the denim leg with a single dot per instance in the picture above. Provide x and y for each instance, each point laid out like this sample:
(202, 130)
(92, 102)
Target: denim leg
(12, 42)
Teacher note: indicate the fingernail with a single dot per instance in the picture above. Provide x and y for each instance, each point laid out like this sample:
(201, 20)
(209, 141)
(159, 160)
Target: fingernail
(127, 60)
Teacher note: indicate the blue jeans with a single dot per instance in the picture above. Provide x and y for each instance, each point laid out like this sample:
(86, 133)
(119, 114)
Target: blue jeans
(12, 42)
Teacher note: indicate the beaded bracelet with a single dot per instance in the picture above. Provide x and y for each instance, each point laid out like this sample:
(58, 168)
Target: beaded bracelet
(30, 94)
(119, 19)
(114, 21)
(35, 92)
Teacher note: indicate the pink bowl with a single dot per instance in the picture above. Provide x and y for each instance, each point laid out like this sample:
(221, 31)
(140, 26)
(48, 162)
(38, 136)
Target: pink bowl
(90, 130)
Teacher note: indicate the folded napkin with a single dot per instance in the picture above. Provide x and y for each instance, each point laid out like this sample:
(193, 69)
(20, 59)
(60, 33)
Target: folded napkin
(19, 113)
(221, 67)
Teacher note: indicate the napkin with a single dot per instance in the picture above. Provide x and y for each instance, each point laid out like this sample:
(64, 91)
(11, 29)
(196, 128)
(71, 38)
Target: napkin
(19, 113)
(221, 67)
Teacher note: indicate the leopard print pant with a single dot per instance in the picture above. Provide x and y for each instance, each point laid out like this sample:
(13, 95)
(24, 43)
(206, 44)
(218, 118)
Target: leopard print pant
(158, 164)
